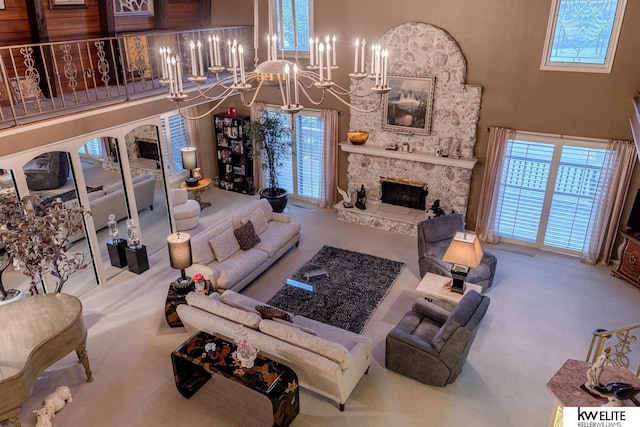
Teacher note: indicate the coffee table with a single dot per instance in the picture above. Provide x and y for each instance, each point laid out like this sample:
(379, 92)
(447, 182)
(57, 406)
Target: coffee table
(433, 287)
(193, 366)
(197, 190)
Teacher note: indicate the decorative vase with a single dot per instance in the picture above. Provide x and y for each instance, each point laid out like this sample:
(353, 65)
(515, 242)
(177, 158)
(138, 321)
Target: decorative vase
(277, 198)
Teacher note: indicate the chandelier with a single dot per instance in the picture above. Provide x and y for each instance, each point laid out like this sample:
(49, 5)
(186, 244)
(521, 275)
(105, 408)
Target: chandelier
(232, 78)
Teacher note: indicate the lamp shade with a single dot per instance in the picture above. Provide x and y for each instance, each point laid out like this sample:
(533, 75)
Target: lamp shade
(464, 250)
(189, 158)
(179, 250)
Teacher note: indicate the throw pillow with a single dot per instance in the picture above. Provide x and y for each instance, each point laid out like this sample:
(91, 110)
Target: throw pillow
(219, 308)
(270, 313)
(246, 236)
(224, 244)
(259, 221)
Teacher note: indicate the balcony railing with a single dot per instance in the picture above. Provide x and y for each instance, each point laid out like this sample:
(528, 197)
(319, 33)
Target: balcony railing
(622, 342)
(44, 80)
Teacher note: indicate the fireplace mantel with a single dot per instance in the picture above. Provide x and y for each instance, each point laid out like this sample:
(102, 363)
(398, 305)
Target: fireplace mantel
(412, 157)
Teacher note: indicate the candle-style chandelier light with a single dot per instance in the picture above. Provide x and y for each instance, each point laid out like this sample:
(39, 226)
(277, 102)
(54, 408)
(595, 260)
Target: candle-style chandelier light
(287, 76)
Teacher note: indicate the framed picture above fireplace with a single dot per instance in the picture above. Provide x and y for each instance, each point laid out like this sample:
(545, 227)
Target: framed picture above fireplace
(408, 105)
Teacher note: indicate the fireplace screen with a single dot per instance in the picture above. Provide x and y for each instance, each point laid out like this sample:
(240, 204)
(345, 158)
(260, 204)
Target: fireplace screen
(402, 192)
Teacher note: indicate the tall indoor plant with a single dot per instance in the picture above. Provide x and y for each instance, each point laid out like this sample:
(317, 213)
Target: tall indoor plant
(270, 143)
(35, 234)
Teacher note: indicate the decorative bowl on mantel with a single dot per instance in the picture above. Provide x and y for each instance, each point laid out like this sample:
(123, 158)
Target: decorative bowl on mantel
(358, 137)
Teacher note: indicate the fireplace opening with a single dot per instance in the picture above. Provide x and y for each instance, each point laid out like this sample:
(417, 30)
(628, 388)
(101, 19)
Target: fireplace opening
(403, 192)
(148, 149)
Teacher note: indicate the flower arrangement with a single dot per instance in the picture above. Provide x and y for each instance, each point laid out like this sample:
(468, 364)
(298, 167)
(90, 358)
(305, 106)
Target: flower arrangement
(245, 354)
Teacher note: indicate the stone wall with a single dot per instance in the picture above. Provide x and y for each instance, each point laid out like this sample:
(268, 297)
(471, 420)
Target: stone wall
(422, 50)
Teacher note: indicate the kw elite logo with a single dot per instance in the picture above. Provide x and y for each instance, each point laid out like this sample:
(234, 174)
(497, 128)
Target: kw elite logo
(601, 416)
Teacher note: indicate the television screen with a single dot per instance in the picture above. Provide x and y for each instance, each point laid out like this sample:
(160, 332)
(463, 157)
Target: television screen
(633, 224)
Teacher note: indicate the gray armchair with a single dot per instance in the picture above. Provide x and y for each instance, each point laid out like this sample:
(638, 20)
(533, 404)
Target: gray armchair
(434, 237)
(430, 344)
(47, 171)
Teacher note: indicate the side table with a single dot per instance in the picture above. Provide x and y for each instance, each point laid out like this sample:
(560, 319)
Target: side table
(137, 259)
(193, 366)
(174, 299)
(197, 190)
(432, 287)
(117, 253)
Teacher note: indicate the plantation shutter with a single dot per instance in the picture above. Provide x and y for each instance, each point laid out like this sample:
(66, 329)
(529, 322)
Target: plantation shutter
(522, 189)
(175, 133)
(573, 197)
(310, 142)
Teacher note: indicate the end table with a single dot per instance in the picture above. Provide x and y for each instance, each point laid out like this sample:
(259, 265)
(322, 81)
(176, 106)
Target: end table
(174, 299)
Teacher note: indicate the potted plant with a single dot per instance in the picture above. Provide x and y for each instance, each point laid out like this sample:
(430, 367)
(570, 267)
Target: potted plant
(270, 142)
(35, 234)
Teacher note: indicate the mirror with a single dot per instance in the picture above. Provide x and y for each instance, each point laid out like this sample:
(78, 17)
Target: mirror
(102, 171)
(49, 177)
(145, 162)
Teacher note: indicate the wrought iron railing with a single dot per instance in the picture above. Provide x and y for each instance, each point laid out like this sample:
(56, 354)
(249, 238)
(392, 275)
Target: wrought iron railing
(623, 342)
(44, 80)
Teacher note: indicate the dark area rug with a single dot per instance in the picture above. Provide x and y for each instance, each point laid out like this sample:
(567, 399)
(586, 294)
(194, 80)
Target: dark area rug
(347, 298)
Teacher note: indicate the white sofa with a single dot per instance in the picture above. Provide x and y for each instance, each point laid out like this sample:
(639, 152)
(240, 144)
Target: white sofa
(328, 360)
(217, 254)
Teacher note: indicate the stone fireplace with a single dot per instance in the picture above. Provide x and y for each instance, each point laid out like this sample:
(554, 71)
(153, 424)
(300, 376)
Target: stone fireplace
(419, 50)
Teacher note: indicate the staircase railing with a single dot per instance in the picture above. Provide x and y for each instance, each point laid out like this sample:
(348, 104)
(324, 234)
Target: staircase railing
(44, 80)
(622, 342)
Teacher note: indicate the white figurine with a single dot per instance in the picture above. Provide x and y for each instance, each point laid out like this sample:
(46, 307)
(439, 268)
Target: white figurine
(595, 371)
(52, 404)
(346, 199)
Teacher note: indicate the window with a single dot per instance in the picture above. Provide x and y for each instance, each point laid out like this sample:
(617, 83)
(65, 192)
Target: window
(175, 138)
(303, 21)
(547, 189)
(93, 148)
(302, 176)
(582, 35)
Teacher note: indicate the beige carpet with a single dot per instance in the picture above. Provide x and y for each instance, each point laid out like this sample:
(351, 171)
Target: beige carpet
(543, 309)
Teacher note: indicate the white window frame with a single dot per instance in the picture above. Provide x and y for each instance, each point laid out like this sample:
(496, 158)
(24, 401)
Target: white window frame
(558, 141)
(548, 65)
(275, 29)
(294, 149)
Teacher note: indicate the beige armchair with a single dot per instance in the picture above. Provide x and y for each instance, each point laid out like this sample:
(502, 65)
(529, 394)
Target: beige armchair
(36, 332)
(185, 211)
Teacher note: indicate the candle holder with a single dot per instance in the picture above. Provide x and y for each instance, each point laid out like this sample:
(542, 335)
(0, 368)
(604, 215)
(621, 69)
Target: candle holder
(198, 79)
(313, 67)
(357, 76)
(216, 69)
(381, 90)
(177, 96)
(242, 87)
(325, 84)
(164, 82)
(291, 108)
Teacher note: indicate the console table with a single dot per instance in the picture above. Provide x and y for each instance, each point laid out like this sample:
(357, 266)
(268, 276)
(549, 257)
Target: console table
(193, 366)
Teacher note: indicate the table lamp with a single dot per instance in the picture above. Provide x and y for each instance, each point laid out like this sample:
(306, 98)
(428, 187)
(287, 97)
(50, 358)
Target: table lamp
(180, 256)
(189, 162)
(464, 252)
